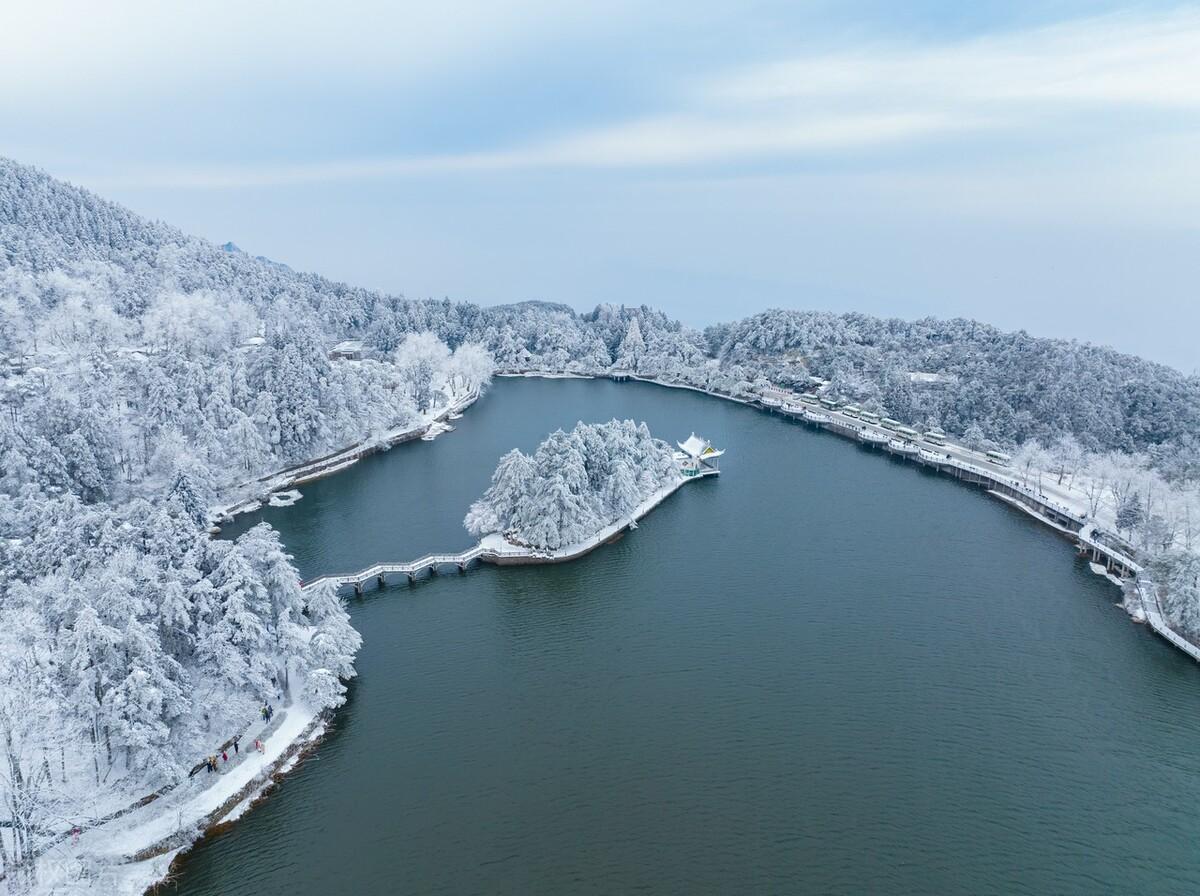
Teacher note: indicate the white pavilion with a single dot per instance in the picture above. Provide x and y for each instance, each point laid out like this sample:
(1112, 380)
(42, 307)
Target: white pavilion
(697, 457)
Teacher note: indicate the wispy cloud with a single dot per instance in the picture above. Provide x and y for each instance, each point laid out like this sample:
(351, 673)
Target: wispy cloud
(867, 98)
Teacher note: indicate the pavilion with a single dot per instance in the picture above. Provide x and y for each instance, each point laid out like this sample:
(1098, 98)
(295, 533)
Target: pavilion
(698, 457)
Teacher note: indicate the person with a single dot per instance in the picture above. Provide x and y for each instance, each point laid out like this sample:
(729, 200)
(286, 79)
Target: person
(224, 756)
(208, 763)
(263, 712)
(258, 745)
(235, 744)
(270, 712)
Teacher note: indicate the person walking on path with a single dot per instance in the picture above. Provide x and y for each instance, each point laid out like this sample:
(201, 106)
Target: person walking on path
(258, 745)
(235, 744)
(224, 756)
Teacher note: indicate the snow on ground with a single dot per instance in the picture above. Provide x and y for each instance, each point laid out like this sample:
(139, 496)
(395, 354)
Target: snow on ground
(106, 847)
(496, 542)
(140, 829)
(327, 466)
(435, 430)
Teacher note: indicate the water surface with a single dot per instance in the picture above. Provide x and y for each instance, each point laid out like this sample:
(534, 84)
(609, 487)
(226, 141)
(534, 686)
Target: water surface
(827, 672)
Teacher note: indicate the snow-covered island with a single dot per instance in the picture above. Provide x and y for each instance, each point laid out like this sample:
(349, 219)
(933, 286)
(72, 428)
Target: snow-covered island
(147, 375)
(581, 488)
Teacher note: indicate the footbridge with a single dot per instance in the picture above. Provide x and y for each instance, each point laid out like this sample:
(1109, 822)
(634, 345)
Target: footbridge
(429, 564)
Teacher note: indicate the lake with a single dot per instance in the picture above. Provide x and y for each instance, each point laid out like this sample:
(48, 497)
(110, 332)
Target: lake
(826, 671)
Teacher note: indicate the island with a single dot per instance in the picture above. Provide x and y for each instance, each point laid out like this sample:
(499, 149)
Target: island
(580, 489)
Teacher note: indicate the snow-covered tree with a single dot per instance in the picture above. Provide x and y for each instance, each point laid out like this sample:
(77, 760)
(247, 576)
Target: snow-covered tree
(423, 361)
(575, 484)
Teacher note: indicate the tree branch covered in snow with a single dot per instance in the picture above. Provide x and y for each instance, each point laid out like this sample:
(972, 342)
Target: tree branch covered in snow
(575, 484)
(143, 371)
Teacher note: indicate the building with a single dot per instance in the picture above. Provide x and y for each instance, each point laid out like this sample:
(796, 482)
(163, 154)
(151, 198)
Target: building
(350, 350)
(697, 457)
(774, 397)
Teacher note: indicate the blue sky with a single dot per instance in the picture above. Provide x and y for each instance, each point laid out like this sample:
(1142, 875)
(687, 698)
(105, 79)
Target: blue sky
(1036, 165)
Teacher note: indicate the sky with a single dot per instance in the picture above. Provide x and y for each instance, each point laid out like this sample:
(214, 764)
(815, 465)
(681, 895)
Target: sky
(1034, 165)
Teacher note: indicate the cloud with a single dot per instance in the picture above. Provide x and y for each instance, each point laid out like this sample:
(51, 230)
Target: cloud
(1116, 59)
(61, 50)
(1019, 85)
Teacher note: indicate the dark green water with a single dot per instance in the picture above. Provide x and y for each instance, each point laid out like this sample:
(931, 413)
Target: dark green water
(828, 672)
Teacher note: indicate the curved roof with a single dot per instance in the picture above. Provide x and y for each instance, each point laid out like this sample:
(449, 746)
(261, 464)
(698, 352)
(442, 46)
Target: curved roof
(695, 446)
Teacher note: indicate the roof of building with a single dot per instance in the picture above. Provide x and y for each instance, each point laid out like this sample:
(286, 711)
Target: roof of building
(695, 446)
(349, 345)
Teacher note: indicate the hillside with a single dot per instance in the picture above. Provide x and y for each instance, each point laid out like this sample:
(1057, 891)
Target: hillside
(65, 247)
(144, 372)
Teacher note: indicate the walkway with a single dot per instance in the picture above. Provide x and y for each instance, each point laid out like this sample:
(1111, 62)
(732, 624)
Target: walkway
(170, 796)
(430, 563)
(1148, 593)
(494, 549)
(195, 798)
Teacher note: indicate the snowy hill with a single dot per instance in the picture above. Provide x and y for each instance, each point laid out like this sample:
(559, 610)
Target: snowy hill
(1006, 387)
(145, 371)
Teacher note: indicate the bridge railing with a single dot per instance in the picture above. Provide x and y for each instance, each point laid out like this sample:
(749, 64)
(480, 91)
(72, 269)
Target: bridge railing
(414, 566)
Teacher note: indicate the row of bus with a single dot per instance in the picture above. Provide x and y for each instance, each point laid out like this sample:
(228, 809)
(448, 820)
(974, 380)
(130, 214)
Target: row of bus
(933, 436)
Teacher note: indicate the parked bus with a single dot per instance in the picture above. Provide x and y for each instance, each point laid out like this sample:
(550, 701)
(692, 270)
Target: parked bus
(889, 423)
(999, 458)
(809, 398)
(868, 417)
(935, 437)
(851, 411)
(908, 433)
(829, 403)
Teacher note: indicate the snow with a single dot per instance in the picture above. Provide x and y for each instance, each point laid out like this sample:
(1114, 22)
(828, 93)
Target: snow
(102, 852)
(595, 525)
(574, 484)
(281, 480)
(435, 430)
(285, 499)
(158, 821)
(151, 373)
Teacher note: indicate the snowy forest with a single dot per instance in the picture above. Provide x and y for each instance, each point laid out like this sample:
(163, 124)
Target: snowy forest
(575, 484)
(145, 372)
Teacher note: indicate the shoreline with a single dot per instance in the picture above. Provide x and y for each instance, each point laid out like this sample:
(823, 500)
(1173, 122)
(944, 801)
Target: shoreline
(135, 850)
(309, 738)
(1129, 575)
(329, 464)
(150, 860)
(493, 548)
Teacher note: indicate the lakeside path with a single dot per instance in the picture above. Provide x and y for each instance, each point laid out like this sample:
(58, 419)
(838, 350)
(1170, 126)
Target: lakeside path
(1056, 506)
(132, 850)
(496, 549)
(308, 471)
(141, 832)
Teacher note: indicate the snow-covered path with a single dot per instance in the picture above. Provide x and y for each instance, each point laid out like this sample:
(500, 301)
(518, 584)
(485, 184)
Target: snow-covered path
(198, 796)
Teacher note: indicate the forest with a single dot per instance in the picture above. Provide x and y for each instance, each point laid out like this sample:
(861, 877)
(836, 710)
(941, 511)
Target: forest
(144, 373)
(575, 484)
